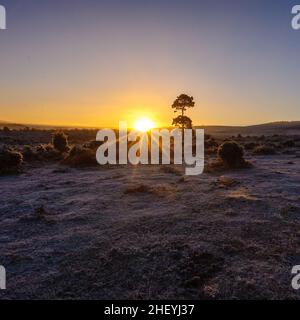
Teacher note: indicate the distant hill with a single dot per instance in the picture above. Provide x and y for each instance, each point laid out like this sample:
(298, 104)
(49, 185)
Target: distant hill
(11, 125)
(280, 127)
(19, 126)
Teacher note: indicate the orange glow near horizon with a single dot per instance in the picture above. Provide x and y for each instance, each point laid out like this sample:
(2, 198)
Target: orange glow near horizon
(144, 125)
(107, 111)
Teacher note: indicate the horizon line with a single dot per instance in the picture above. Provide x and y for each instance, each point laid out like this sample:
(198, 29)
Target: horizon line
(7, 123)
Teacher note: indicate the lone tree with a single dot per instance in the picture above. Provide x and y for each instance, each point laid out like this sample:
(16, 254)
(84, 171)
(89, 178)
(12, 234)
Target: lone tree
(181, 104)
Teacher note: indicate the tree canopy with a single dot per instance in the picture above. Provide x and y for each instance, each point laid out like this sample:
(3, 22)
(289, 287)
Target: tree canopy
(183, 102)
(182, 121)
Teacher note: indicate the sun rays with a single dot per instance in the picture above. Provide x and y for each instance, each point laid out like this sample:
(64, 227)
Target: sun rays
(144, 125)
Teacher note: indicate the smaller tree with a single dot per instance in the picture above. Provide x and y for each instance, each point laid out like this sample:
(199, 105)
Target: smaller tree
(60, 141)
(182, 121)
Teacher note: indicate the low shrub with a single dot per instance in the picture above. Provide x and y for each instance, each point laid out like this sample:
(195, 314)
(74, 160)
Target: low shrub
(47, 152)
(29, 154)
(264, 150)
(80, 157)
(60, 141)
(10, 161)
(232, 154)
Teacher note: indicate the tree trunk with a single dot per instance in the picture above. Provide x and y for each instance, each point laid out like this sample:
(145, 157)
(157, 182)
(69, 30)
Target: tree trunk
(182, 132)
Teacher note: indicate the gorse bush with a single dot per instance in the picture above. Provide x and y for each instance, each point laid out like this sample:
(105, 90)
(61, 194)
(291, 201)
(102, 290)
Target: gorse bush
(29, 153)
(74, 151)
(60, 141)
(81, 157)
(48, 152)
(231, 154)
(42, 152)
(10, 161)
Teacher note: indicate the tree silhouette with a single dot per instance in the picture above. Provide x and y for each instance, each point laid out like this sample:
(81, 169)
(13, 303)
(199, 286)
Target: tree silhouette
(181, 104)
(182, 121)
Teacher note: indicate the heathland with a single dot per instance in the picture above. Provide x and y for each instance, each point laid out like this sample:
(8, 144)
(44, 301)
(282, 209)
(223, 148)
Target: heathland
(72, 229)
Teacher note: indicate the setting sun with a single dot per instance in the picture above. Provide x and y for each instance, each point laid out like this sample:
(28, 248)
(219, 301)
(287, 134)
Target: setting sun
(143, 125)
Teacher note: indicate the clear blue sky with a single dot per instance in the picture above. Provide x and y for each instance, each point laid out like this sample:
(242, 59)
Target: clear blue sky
(94, 62)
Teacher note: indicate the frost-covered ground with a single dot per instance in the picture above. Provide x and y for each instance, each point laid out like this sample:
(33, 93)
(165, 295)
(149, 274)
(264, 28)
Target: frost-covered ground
(149, 232)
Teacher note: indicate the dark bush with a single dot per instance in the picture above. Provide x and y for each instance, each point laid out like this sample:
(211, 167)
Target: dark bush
(60, 141)
(232, 154)
(81, 157)
(10, 161)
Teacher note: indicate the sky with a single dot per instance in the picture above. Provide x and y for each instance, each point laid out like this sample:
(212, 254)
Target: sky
(96, 62)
